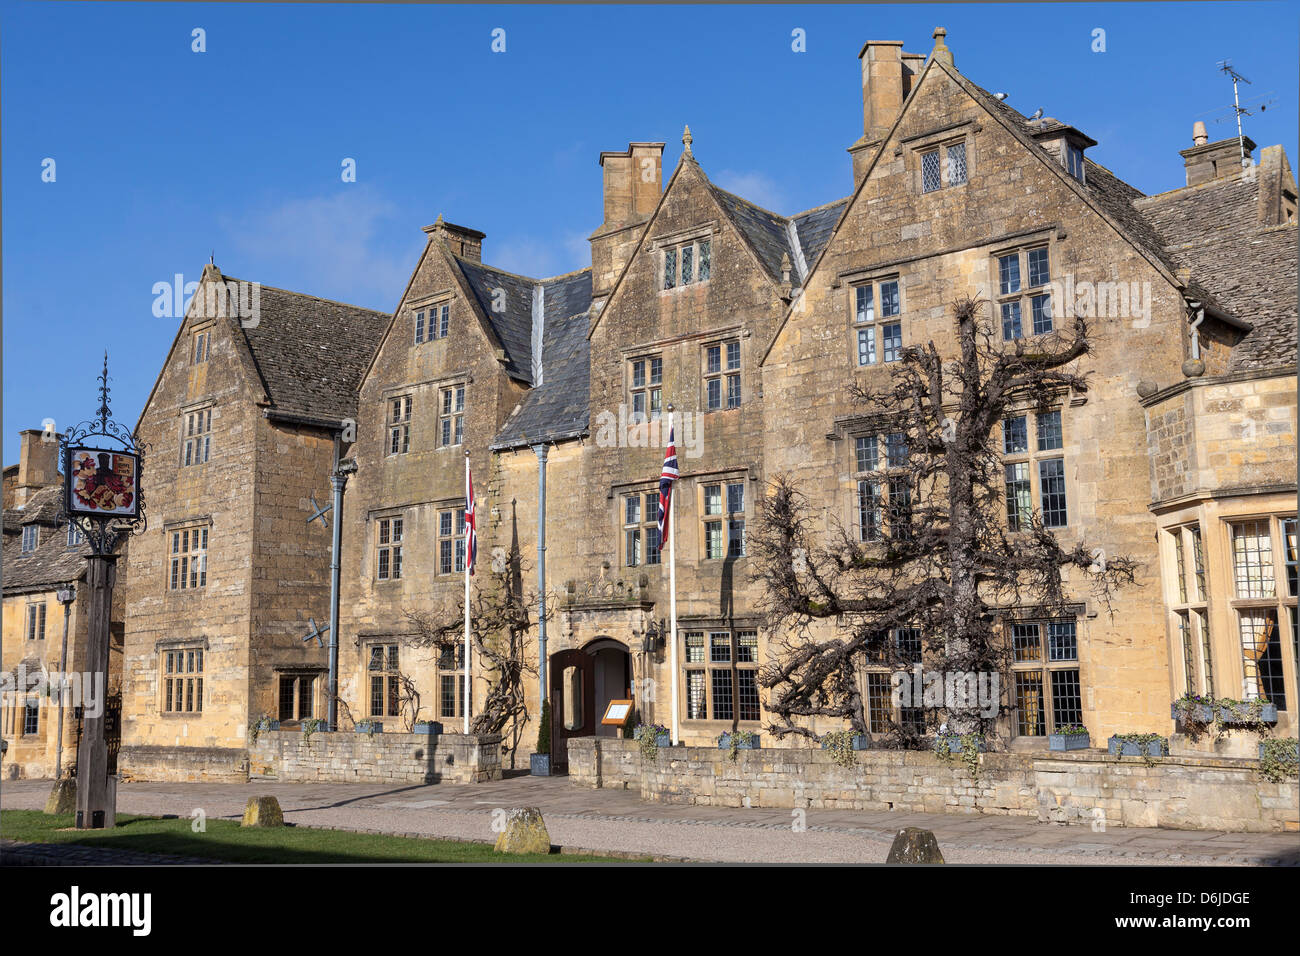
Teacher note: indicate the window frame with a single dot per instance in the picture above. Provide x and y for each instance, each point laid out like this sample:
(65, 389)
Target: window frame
(873, 322)
(390, 538)
(726, 519)
(1030, 458)
(649, 391)
(452, 402)
(187, 564)
(388, 674)
(399, 424)
(729, 377)
(196, 436)
(712, 668)
(1045, 666)
(671, 273)
(180, 687)
(1029, 302)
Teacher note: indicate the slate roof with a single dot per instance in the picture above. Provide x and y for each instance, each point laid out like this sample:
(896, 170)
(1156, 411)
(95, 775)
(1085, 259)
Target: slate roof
(513, 323)
(769, 232)
(312, 352)
(558, 407)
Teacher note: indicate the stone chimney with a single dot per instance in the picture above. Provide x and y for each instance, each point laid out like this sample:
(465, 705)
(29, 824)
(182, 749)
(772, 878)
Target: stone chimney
(38, 463)
(462, 241)
(633, 180)
(1206, 161)
(888, 75)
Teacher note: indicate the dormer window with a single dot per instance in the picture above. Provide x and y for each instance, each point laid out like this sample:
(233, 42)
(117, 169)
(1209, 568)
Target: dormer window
(1074, 161)
(31, 538)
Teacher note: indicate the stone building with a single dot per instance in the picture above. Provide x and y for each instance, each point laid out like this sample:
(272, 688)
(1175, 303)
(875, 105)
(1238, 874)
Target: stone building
(45, 623)
(752, 325)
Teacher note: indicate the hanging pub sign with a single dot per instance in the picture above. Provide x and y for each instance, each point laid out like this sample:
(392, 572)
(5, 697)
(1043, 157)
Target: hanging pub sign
(101, 482)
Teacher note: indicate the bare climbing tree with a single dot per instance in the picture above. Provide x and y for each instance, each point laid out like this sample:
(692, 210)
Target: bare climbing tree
(936, 555)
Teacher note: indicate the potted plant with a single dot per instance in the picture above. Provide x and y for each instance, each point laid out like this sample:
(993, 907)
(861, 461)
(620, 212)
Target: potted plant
(539, 763)
(739, 740)
(842, 743)
(956, 743)
(260, 726)
(1137, 745)
(426, 727)
(1247, 713)
(1069, 737)
(368, 727)
(1193, 709)
(651, 737)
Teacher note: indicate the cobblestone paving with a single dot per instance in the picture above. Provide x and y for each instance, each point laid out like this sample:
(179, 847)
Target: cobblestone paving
(619, 821)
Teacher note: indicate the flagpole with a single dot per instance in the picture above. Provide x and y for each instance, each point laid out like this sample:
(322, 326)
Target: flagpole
(466, 706)
(672, 588)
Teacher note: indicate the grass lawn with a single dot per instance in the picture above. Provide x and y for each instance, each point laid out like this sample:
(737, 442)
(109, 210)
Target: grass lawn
(227, 840)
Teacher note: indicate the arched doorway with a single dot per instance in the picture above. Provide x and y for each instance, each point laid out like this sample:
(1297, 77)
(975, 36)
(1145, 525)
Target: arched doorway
(583, 682)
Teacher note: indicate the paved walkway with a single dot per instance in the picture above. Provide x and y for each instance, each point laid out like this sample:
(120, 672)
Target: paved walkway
(618, 820)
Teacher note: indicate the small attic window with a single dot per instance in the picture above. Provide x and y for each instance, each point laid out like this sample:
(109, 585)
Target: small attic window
(1074, 161)
(31, 537)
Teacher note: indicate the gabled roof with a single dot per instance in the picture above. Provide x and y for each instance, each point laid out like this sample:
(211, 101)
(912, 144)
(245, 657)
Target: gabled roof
(311, 352)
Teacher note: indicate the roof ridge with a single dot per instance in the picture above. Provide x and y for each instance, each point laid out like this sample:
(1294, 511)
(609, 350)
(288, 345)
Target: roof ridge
(747, 202)
(505, 272)
(308, 295)
(825, 205)
(565, 275)
(1217, 181)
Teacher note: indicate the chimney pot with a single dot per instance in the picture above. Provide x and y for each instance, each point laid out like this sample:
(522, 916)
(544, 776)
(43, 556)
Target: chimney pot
(1199, 136)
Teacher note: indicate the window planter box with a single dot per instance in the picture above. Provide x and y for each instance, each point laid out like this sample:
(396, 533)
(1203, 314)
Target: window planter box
(1200, 713)
(426, 727)
(1245, 714)
(860, 742)
(724, 743)
(663, 740)
(266, 724)
(1131, 748)
(369, 727)
(953, 743)
(539, 765)
(1069, 741)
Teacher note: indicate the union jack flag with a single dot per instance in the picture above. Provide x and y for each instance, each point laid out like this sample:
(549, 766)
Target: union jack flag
(471, 530)
(666, 481)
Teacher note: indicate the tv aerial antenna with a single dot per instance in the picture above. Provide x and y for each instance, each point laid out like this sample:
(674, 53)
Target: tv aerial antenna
(1238, 109)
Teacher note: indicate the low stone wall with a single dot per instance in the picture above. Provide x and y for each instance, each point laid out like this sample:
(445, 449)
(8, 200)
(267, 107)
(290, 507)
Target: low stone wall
(1087, 787)
(183, 764)
(290, 756)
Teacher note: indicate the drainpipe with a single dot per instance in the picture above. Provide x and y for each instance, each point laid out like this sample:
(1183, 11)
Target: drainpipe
(540, 451)
(338, 481)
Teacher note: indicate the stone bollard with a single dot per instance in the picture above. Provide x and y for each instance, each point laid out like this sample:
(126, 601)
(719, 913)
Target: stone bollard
(914, 845)
(262, 812)
(525, 832)
(63, 798)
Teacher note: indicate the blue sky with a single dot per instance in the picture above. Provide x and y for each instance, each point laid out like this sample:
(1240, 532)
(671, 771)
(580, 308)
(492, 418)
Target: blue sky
(163, 154)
